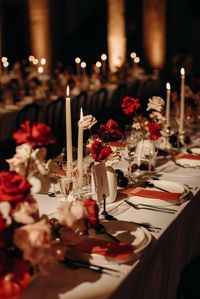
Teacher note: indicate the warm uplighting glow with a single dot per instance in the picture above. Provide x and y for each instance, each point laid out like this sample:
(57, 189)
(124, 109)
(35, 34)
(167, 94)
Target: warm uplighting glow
(154, 32)
(182, 71)
(83, 64)
(98, 64)
(116, 34)
(133, 55)
(103, 57)
(4, 59)
(77, 60)
(35, 61)
(31, 58)
(43, 61)
(40, 69)
(6, 64)
(67, 91)
(136, 59)
(40, 34)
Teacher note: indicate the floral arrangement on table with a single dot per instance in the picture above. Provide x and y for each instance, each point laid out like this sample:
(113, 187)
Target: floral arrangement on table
(29, 241)
(151, 125)
(98, 144)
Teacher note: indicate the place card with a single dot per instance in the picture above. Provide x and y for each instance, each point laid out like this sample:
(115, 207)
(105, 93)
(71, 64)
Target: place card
(100, 181)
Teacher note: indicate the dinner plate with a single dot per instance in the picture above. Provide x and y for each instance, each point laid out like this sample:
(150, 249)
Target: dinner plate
(188, 162)
(168, 186)
(194, 150)
(125, 232)
(172, 187)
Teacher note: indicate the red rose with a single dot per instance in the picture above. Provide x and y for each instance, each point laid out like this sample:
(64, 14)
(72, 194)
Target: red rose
(13, 283)
(99, 151)
(37, 134)
(3, 223)
(130, 105)
(110, 131)
(13, 187)
(93, 210)
(153, 130)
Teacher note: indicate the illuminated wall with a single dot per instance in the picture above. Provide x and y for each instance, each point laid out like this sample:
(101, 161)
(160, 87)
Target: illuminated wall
(116, 34)
(154, 32)
(40, 30)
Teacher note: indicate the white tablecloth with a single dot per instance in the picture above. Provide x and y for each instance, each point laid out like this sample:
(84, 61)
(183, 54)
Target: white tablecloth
(155, 274)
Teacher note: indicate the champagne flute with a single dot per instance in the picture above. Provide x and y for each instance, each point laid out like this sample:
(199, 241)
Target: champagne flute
(65, 186)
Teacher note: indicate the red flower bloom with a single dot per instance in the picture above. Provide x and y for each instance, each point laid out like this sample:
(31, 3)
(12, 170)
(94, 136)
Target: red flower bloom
(3, 223)
(110, 131)
(37, 134)
(13, 283)
(93, 210)
(13, 187)
(99, 151)
(130, 105)
(153, 130)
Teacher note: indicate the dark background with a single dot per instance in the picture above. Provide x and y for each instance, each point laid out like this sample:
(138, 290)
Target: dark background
(79, 28)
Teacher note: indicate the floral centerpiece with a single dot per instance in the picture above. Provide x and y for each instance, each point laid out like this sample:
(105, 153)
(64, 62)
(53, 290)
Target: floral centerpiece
(30, 241)
(151, 125)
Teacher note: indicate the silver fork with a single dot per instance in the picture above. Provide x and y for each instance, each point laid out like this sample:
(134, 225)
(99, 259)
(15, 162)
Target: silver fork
(139, 206)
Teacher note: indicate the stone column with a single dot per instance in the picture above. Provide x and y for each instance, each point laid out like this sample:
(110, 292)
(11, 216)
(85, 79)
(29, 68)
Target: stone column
(39, 19)
(154, 32)
(116, 33)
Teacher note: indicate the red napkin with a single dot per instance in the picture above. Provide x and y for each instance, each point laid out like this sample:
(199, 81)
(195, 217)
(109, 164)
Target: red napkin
(138, 191)
(120, 251)
(187, 156)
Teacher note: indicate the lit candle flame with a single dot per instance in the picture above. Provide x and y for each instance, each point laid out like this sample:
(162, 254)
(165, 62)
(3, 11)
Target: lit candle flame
(103, 57)
(67, 91)
(133, 55)
(81, 114)
(168, 86)
(182, 71)
(77, 60)
(136, 59)
(83, 64)
(98, 64)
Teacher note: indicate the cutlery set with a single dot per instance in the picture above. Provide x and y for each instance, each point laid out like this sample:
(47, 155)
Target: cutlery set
(150, 207)
(76, 264)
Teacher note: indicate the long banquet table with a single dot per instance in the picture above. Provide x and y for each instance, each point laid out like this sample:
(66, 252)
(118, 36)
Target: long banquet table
(156, 273)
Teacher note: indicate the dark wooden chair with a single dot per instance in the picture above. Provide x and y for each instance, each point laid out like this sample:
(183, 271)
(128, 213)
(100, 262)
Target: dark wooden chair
(54, 117)
(97, 103)
(115, 110)
(29, 112)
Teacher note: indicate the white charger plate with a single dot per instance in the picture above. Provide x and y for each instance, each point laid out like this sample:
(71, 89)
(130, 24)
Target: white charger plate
(126, 232)
(195, 150)
(188, 162)
(169, 186)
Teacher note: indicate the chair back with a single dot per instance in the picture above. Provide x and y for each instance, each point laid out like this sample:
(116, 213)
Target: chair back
(29, 112)
(97, 104)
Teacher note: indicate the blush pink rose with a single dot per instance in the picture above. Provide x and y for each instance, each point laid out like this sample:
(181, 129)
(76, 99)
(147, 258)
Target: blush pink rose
(35, 242)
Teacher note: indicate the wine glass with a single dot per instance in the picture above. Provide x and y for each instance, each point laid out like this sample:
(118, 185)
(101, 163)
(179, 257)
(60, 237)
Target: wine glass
(146, 153)
(131, 139)
(65, 185)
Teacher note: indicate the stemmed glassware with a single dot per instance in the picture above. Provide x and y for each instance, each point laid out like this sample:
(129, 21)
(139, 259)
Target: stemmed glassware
(131, 139)
(146, 153)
